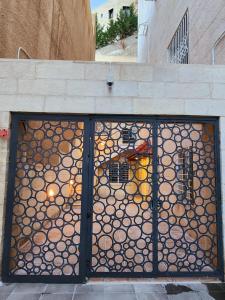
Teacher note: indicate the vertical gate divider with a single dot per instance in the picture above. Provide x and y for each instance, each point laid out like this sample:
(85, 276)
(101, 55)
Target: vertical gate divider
(155, 198)
(90, 176)
(219, 202)
(10, 197)
(84, 202)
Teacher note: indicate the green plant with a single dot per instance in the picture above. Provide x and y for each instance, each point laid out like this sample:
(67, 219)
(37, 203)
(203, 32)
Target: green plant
(125, 25)
(101, 36)
(112, 31)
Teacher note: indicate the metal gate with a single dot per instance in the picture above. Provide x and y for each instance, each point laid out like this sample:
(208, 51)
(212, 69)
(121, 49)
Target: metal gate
(116, 196)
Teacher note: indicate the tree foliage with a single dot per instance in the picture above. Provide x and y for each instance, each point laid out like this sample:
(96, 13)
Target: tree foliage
(125, 25)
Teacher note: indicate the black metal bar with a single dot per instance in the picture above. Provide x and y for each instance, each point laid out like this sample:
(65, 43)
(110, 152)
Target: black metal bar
(155, 198)
(90, 195)
(10, 198)
(119, 117)
(220, 233)
(49, 117)
(85, 198)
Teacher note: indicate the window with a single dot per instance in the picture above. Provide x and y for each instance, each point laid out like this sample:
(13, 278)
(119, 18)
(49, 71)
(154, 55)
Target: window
(179, 46)
(118, 172)
(111, 13)
(184, 188)
(123, 172)
(128, 136)
(126, 10)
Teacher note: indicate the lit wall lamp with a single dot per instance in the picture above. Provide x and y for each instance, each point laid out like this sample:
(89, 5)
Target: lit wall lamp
(51, 195)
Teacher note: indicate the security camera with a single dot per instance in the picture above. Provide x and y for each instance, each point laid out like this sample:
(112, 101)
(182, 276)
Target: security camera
(110, 80)
(110, 83)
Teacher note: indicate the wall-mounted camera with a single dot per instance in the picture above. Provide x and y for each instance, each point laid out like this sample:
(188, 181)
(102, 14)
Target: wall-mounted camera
(110, 80)
(110, 83)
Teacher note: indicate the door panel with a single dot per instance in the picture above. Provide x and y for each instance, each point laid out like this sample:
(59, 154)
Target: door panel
(122, 193)
(187, 240)
(46, 221)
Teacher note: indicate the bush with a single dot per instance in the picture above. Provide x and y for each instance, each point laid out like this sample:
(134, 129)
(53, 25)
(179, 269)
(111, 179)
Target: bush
(101, 36)
(125, 25)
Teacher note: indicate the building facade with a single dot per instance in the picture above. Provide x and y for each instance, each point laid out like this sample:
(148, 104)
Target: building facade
(53, 29)
(180, 31)
(100, 181)
(111, 9)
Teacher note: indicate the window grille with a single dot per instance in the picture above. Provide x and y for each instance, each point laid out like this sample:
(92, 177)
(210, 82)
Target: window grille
(185, 175)
(123, 172)
(179, 46)
(128, 136)
(118, 172)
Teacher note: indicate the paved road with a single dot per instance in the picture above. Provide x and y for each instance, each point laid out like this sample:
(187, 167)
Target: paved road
(113, 291)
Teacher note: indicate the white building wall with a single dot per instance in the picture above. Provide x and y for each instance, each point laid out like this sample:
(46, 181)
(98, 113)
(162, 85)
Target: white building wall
(146, 11)
(103, 10)
(206, 24)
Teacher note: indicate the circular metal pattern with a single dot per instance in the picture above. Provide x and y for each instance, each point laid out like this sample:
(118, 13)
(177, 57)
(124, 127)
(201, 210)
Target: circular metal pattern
(47, 205)
(122, 217)
(187, 239)
(45, 237)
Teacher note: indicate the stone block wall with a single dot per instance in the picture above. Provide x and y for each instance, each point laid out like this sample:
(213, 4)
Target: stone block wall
(80, 88)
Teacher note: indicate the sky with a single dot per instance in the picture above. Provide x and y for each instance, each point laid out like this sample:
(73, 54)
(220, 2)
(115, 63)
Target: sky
(96, 3)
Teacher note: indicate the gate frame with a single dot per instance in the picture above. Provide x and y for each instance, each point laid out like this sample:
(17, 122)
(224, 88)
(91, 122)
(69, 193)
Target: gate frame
(87, 194)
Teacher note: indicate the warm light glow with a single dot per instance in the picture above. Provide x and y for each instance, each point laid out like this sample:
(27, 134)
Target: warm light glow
(51, 193)
(71, 182)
